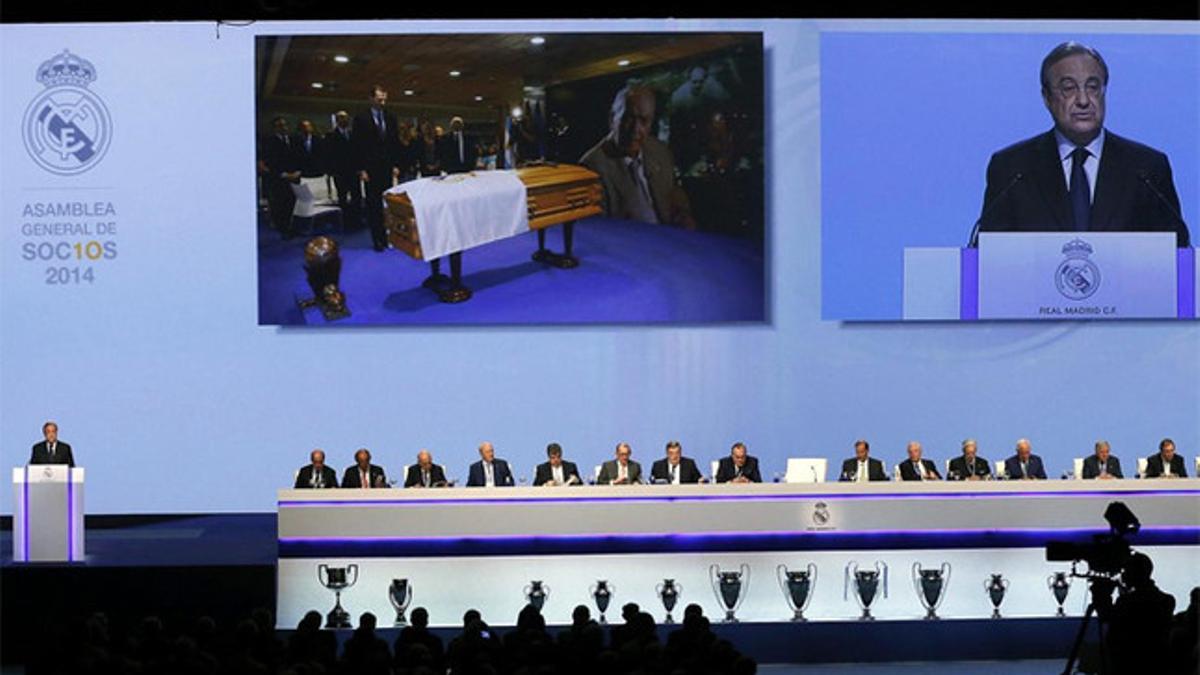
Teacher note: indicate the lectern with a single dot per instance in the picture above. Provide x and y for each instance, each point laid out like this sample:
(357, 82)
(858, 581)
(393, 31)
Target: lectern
(48, 513)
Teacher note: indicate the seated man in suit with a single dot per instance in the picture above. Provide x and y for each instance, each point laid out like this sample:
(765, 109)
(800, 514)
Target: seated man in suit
(556, 471)
(364, 474)
(970, 467)
(916, 468)
(489, 471)
(738, 467)
(1102, 464)
(622, 470)
(1165, 464)
(425, 473)
(862, 467)
(316, 474)
(675, 468)
(1024, 465)
(51, 450)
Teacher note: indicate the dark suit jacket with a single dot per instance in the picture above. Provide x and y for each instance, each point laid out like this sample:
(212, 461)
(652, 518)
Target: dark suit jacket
(608, 472)
(437, 477)
(1012, 467)
(350, 479)
(62, 454)
(688, 473)
(726, 471)
(500, 473)
(1091, 467)
(874, 469)
(448, 150)
(958, 467)
(545, 473)
(908, 472)
(310, 161)
(1154, 466)
(279, 155)
(376, 152)
(337, 153)
(328, 476)
(1039, 202)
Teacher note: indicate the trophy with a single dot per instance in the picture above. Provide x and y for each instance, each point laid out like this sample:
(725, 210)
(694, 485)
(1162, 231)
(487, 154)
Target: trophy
(797, 588)
(995, 587)
(730, 588)
(1059, 584)
(401, 594)
(602, 593)
(866, 584)
(668, 592)
(536, 593)
(931, 587)
(337, 579)
(322, 268)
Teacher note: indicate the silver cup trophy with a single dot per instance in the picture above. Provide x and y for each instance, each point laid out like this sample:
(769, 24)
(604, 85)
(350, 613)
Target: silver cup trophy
(798, 587)
(996, 585)
(669, 591)
(337, 579)
(931, 587)
(866, 585)
(730, 588)
(536, 593)
(400, 593)
(1059, 584)
(602, 593)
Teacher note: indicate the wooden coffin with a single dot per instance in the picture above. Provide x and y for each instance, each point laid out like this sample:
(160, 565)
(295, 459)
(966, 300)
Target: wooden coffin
(556, 194)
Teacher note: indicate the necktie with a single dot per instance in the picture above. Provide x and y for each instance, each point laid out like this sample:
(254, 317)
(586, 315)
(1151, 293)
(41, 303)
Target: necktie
(971, 468)
(364, 479)
(1024, 470)
(621, 473)
(643, 204)
(308, 144)
(862, 471)
(50, 447)
(490, 479)
(917, 468)
(379, 122)
(674, 473)
(458, 135)
(1081, 198)
(425, 477)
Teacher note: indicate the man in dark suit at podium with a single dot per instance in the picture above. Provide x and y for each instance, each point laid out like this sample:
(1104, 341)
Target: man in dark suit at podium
(622, 470)
(364, 474)
(1102, 464)
(916, 468)
(556, 470)
(425, 473)
(1165, 464)
(1024, 465)
(675, 468)
(1079, 177)
(489, 471)
(51, 450)
(316, 474)
(862, 467)
(968, 466)
(738, 467)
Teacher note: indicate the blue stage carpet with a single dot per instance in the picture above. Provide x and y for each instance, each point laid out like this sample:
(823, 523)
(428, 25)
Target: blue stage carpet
(629, 273)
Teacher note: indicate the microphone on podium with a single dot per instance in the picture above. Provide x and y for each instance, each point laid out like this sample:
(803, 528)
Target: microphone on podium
(991, 207)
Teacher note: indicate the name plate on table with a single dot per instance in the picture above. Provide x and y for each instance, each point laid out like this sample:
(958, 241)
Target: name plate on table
(1077, 275)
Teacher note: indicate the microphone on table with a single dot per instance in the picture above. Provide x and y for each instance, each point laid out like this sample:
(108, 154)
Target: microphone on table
(991, 207)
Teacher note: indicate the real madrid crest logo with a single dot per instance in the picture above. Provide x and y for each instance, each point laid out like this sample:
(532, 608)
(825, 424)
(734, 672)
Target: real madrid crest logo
(67, 129)
(1077, 277)
(821, 513)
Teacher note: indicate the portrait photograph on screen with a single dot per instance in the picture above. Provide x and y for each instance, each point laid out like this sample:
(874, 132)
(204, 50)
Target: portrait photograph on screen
(570, 178)
(1009, 176)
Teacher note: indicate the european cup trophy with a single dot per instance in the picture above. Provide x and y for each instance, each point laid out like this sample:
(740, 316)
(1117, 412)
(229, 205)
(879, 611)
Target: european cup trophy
(1059, 584)
(797, 588)
(730, 588)
(866, 585)
(400, 593)
(602, 593)
(323, 268)
(536, 593)
(337, 579)
(996, 585)
(931, 587)
(669, 591)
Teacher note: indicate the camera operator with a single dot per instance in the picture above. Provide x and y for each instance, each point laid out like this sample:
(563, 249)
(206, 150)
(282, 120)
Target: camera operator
(1139, 621)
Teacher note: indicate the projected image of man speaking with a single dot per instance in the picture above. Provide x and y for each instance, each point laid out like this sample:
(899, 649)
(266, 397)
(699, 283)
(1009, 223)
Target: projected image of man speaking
(1079, 176)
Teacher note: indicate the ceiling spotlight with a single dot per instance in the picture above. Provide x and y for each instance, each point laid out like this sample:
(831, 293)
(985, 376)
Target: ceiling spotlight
(517, 112)
(478, 98)
(623, 62)
(409, 92)
(455, 73)
(537, 40)
(318, 85)
(342, 58)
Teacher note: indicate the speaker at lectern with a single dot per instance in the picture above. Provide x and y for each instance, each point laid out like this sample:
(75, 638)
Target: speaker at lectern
(48, 513)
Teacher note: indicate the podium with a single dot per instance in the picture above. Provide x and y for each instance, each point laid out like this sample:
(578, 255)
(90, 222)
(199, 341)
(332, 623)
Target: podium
(1053, 275)
(48, 513)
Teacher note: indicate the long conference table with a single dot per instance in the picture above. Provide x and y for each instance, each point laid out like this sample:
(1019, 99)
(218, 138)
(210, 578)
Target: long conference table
(482, 547)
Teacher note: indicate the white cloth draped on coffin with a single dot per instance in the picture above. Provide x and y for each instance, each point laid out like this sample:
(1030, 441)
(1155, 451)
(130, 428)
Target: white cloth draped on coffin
(460, 211)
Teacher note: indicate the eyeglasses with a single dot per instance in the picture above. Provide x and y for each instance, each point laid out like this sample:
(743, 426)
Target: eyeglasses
(1068, 89)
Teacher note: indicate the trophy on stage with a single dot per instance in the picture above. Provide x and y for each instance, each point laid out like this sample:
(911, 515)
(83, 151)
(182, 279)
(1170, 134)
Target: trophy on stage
(602, 593)
(797, 588)
(866, 584)
(322, 269)
(730, 588)
(400, 593)
(668, 592)
(996, 585)
(1059, 584)
(536, 593)
(931, 587)
(337, 579)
